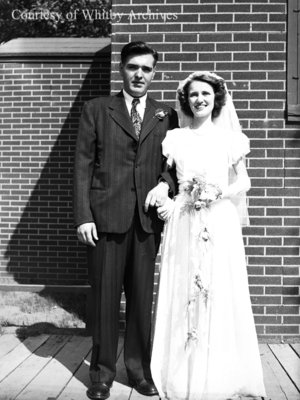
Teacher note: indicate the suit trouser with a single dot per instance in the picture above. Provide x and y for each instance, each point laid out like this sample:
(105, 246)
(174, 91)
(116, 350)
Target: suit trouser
(119, 261)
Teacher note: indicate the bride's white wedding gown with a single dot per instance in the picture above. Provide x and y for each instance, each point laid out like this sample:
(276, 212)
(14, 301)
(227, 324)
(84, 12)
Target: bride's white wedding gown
(205, 345)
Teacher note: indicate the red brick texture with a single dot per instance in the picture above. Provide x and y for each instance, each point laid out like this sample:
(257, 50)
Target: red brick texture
(245, 42)
(40, 105)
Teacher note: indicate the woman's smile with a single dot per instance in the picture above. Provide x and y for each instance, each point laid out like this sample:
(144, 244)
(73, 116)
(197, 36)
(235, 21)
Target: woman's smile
(201, 99)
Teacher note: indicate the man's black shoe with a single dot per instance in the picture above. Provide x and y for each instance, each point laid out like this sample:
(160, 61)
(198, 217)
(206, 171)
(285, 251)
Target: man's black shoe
(98, 391)
(145, 388)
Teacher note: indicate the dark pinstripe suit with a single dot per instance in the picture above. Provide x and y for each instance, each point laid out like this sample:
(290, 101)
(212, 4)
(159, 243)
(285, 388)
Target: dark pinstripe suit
(113, 174)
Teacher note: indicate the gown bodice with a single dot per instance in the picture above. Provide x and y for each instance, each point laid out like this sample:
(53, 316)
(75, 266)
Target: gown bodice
(209, 154)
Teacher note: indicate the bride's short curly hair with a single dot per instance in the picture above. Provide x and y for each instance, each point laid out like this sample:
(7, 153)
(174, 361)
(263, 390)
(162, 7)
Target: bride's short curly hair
(212, 79)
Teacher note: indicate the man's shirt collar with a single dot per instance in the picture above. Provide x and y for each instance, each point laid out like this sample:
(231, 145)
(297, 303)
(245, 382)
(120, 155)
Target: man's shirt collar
(129, 98)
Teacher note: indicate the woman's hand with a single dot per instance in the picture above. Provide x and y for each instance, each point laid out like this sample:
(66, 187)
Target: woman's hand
(165, 211)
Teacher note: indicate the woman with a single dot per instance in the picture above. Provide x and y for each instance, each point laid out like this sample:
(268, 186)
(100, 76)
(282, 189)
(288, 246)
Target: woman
(205, 345)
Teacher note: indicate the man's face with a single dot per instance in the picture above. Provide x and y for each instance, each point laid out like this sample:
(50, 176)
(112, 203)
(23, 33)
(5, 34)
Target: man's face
(137, 73)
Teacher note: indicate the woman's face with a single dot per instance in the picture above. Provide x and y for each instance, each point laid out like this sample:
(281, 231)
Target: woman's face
(201, 99)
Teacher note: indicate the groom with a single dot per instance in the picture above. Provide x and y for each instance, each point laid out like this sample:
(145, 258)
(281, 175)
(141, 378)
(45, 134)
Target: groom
(118, 164)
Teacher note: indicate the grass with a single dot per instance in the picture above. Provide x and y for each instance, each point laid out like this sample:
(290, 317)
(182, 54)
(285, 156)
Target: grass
(25, 309)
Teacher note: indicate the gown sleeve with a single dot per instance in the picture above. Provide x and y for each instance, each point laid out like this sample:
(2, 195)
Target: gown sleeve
(169, 147)
(239, 147)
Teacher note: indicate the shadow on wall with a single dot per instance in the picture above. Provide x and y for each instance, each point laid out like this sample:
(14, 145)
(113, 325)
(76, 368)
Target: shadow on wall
(44, 248)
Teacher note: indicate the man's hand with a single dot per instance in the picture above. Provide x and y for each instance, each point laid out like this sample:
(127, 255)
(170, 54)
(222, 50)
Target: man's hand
(157, 196)
(87, 233)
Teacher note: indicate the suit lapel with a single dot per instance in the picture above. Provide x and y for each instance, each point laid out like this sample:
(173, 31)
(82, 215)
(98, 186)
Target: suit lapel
(149, 121)
(119, 113)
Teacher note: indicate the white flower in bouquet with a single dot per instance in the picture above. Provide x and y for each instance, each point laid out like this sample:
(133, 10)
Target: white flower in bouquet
(200, 193)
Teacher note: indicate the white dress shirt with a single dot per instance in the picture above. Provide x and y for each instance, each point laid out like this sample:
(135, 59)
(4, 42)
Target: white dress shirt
(141, 106)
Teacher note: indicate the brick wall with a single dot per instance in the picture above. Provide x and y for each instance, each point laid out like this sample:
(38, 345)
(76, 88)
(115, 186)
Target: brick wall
(41, 100)
(245, 42)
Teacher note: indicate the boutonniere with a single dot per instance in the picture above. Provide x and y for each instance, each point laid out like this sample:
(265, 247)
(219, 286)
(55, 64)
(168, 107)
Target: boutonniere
(160, 113)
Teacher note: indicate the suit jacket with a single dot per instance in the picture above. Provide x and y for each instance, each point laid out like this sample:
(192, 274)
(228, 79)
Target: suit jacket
(113, 170)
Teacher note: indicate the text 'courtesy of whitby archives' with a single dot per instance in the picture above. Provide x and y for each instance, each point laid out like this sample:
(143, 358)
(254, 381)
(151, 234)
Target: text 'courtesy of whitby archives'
(38, 14)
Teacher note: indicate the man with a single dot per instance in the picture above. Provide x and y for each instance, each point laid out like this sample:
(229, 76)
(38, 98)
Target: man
(118, 165)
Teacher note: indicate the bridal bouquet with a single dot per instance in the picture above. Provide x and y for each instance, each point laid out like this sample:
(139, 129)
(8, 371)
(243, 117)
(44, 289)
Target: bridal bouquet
(201, 193)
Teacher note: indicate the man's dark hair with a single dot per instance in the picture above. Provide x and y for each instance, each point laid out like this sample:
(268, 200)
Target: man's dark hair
(137, 49)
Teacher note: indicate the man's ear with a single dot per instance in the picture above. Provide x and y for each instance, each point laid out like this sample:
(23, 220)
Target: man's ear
(154, 71)
(121, 67)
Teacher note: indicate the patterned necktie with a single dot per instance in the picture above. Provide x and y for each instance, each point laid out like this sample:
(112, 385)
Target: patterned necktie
(136, 118)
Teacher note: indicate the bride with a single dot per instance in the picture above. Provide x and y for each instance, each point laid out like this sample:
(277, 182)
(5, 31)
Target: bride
(205, 345)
